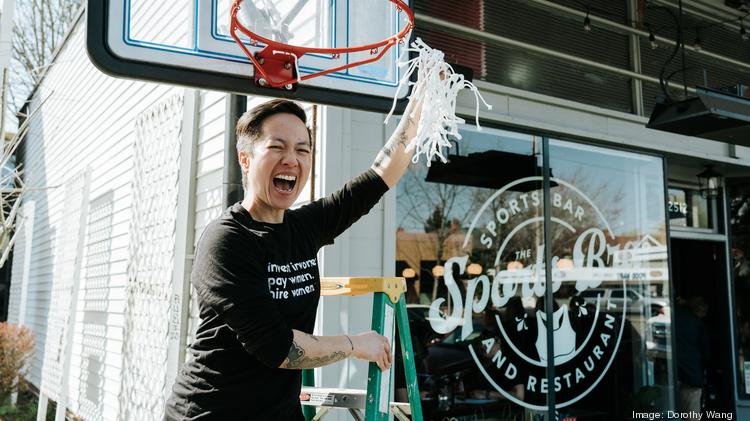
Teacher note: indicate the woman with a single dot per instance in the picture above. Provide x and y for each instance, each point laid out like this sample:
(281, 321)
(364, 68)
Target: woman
(257, 279)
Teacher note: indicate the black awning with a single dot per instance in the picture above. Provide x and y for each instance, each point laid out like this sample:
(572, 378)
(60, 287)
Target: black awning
(489, 169)
(710, 114)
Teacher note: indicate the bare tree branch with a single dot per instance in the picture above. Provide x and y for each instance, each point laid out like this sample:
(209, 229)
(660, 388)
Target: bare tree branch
(40, 26)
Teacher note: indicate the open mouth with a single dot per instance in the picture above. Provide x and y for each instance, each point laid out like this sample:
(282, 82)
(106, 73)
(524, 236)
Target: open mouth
(284, 183)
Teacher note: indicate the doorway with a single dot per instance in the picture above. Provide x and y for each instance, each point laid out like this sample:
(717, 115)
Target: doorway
(699, 270)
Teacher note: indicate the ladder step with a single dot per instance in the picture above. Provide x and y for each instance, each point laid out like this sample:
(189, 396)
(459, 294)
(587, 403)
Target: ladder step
(346, 398)
(389, 315)
(336, 398)
(402, 407)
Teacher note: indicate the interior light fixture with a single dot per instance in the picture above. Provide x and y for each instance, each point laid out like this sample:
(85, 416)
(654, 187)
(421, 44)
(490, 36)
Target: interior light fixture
(474, 269)
(438, 270)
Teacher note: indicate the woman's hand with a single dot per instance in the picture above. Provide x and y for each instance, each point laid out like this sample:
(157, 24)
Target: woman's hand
(373, 347)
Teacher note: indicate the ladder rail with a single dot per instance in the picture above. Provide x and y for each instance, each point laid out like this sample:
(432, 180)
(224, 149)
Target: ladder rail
(379, 382)
(388, 316)
(408, 358)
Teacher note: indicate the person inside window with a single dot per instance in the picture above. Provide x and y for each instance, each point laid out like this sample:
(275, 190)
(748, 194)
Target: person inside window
(692, 353)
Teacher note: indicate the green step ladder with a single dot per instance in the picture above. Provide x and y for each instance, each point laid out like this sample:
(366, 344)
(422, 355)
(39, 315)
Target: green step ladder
(388, 314)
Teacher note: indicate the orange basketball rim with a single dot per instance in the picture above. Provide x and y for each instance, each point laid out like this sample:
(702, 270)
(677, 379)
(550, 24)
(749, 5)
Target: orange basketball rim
(277, 64)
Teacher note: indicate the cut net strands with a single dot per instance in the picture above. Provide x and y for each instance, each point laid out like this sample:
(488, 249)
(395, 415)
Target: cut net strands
(437, 88)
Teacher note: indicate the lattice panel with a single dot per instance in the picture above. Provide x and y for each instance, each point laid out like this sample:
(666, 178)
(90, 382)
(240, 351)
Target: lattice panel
(66, 247)
(145, 385)
(193, 321)
(96, 288)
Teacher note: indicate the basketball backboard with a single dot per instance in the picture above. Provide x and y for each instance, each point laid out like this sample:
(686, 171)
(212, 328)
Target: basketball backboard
(188, 42)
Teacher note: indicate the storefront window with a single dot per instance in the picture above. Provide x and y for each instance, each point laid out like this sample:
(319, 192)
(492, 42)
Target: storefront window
(611, 282)
(739, 213)
(471, 236)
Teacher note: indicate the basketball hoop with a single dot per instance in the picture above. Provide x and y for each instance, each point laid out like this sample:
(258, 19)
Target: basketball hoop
(277, 64)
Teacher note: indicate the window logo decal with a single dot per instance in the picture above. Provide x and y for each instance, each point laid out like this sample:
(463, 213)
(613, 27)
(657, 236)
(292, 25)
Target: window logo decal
(500, 315)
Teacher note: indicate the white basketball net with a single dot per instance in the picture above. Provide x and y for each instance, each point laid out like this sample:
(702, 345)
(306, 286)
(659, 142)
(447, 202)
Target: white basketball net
(437, 88)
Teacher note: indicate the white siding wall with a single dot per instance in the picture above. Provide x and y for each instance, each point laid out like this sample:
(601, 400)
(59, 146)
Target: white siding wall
(20, 267)
(208, 191)
(87, 122)
(209, 173)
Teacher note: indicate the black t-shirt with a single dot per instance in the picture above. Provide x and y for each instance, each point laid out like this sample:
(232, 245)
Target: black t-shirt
(256, 282)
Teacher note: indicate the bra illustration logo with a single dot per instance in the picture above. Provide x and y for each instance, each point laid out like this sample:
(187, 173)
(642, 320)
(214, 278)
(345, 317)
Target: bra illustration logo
(500, 314)
(563, 336)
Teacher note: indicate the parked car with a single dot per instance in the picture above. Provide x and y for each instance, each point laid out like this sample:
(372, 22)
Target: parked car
(631, 299)
(657, 334)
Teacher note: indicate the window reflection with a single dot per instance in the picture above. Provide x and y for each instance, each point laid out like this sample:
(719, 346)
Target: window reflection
(739, 214)
(471, 234)
(619, 275)
(440, 212)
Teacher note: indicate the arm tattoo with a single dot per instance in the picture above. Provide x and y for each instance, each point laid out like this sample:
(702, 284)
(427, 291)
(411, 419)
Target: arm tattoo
(392, 144)
(402, 138)
(298, 359)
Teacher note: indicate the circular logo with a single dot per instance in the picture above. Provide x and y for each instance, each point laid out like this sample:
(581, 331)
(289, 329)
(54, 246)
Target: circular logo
(501, 313)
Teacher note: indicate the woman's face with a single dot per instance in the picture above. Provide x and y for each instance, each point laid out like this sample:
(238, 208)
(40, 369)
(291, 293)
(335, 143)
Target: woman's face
(280, 164)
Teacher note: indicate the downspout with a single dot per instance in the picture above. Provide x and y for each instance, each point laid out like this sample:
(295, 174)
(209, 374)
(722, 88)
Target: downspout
(232, 177)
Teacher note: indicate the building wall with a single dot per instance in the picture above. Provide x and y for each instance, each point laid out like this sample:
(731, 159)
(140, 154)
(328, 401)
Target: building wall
(79, 153)
(351, 139)
(527, 110)
(208, 187)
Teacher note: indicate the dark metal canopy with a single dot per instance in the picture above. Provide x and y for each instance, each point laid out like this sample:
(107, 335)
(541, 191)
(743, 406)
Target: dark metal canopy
(710, 114)
(489, 169)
